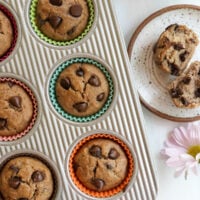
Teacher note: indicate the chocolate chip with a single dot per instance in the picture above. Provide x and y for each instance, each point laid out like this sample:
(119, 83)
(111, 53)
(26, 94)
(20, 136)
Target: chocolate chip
(98, 183)
(40, 21)
(113, 154)
(65, 83)
(95, 151)
(80, 72)
(184, 101)
(197, 92)
(37, 176)
(10, 84)
(81, 107)
(199, 72)
(94, 81)
(192, 41)
(3, 123)
(56, 2)
(14, 182)
(15, 101)
(174, 69)
(75, 10)
(183, 56)
(176, 93)
(14, 168)
(176, 26)
(75, 166)
(71, 31)
(108, 166)
(55, 21)
(186, 80)
(22, 199)
(1, 197)
(178, 46)
(100, 97)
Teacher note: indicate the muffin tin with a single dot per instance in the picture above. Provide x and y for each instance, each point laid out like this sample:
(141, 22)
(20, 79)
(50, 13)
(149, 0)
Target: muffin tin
(34, 61)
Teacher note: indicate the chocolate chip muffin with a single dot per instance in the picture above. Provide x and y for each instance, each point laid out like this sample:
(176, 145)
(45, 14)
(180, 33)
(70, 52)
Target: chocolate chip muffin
(185, 90)
(62, 20)
(16, 109)
(82, 89)
(100, 164)
(175, 48)
(26, 178)
(6, 33)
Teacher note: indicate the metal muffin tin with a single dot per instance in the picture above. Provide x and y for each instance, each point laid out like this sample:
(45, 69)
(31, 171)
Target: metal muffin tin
(33, 61)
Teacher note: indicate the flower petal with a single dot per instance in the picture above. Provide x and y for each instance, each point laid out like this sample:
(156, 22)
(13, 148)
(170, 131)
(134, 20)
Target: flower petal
(179, 171)
(175, 162)
(171, 152)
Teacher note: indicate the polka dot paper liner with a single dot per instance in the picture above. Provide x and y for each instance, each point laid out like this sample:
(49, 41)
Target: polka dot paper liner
(35, 110)
(42, 36)
(111, 192)
(10, 16)
(52, 89)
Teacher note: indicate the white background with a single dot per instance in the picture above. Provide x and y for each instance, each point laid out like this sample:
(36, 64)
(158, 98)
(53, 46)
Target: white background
(130, 14)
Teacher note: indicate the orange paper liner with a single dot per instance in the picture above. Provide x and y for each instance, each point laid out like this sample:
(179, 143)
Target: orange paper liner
(35, 110)
(110, 192)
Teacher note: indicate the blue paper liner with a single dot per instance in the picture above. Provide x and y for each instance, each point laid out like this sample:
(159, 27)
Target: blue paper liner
(52, 90)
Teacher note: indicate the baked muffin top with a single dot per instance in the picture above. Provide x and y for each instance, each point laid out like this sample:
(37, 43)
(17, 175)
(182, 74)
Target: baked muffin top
(100, 164)
(6, 33)
(185, 89)
(26, 178)
(82, 89)
(16, 109)
(62, 20)
(175, 48)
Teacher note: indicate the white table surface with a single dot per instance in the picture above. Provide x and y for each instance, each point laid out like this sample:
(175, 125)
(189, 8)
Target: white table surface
(130, 14)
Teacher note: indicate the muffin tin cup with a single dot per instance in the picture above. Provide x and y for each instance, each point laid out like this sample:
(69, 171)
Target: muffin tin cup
(118, 191)
(12, 16)
(30, 17)
(51, 95)
(42, 157)
(31, 128)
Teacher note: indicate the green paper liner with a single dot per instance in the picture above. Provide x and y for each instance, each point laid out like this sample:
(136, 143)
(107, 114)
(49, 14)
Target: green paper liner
(42, 36)
(52, 90)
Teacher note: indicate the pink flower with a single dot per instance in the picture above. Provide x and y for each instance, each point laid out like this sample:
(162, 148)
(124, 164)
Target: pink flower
(182, 149)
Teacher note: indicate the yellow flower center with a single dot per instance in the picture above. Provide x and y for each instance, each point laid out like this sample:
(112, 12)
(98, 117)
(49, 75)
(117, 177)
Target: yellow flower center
(194, 150)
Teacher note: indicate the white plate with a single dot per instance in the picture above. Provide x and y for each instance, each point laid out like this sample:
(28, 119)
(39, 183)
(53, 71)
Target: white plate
(150, 81)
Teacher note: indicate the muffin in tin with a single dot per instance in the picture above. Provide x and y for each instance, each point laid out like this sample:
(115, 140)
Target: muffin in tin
(61, 23)
(10, 32)
(6, 33)
(81, 88)
(62, 19)
(20, 108)
(28, 175)
(101, 164)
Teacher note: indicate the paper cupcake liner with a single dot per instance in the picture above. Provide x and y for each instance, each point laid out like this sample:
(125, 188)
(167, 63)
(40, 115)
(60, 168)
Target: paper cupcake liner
(55, 103)
(35, 110)
(42, 36)
(15, 31)
(44, 159)
(111, 192)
